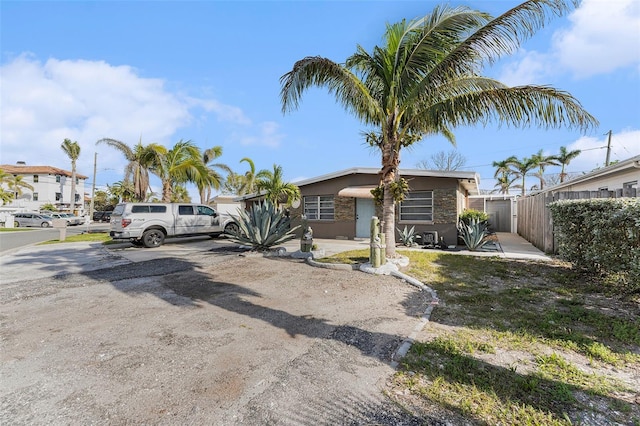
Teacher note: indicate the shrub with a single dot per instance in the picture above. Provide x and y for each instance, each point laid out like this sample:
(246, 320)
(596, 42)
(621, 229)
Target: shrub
(262, 227)
(601, 235)
(473, 234)
(470, 214)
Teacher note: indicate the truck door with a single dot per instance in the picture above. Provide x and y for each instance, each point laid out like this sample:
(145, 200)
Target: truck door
(186, 222)
(208, 218)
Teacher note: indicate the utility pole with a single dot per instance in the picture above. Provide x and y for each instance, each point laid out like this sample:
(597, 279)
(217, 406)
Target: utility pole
(93, 186)
(606, 163)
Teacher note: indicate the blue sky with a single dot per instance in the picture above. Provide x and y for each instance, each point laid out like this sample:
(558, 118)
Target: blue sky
(208, 71)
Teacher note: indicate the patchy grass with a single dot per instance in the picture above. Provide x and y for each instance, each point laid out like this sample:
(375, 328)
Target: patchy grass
(520, 342)
(91, 237)
(16, 229)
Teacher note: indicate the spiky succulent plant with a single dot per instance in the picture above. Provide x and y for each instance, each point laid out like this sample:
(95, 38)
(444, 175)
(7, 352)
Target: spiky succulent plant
(262, 227)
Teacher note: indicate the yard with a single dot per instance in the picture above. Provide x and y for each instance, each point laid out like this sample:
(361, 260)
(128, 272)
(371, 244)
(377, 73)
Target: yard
(520, 342)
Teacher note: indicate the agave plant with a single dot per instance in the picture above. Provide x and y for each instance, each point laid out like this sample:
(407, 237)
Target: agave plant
(407, 236)
(474, 233)
(262, 227)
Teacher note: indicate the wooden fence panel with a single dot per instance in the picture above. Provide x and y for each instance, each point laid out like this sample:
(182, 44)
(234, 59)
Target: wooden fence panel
(535, 223)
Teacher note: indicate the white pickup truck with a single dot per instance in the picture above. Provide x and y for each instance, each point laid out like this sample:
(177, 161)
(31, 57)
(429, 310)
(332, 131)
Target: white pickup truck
(148, 224)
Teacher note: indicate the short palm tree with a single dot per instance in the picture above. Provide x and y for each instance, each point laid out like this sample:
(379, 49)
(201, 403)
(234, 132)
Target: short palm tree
(564, 158)
(181, 164)
(5, 194)
(140, 159)
(276, 190)
(122, 191)
(72, 149)
(427, 79)
(16, 184)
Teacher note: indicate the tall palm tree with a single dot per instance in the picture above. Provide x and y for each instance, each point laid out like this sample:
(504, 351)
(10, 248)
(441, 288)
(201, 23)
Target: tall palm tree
(250, 177)
(427, 79)
(543, 161)
(140, 159)
(276, 189)
(213, 180)
(179, 194)
(72, 149)
(564, 158)
(181, 164)
(521, 169)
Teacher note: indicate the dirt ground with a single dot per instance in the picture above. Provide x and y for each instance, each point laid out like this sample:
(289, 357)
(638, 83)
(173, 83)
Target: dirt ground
(214, 338)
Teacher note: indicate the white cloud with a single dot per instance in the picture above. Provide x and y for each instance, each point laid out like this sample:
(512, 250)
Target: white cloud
(268, 136)
(44, 103)
(624, 144)
(602, 36)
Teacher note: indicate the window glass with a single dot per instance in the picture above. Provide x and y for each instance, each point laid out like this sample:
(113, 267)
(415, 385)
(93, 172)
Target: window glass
(417, 206)
(35, 196)
(319, 207)
(35, 178)
(204, 210)
(157, 209)
(139, 209)
(185, 210)
(58, 196)
(58, 179)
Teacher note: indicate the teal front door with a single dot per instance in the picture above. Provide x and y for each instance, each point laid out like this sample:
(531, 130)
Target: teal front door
(365, 209)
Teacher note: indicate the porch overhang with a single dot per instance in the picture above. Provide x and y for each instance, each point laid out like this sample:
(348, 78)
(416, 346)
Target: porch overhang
(363, 191)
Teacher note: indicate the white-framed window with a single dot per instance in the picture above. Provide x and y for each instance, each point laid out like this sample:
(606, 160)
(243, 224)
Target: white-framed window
(417, 206)
(35, 178)
(58, 178)
(319, 207)
(58, 196)
(35, 196)
(630, 184)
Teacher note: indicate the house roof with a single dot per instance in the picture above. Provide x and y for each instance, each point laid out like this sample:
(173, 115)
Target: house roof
(469, 180)
(630, 163)
(37, 170)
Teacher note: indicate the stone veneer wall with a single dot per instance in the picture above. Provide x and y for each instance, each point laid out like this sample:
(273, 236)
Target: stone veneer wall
(445, 205)
(344, 208)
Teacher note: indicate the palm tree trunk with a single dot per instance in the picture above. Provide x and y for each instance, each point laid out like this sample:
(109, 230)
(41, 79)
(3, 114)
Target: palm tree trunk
(73, 187)
(166, 191)
(390, 163)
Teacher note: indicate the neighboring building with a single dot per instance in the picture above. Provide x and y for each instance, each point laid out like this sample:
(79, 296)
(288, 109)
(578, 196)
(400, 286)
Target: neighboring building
(622, 177)
(50, 185)
(340, 204)
(501, 208)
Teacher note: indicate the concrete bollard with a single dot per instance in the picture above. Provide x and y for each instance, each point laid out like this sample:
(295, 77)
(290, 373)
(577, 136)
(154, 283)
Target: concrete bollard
(61, 225)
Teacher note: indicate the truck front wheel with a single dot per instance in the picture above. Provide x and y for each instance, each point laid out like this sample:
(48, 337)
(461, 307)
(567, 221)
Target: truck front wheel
(153, 238)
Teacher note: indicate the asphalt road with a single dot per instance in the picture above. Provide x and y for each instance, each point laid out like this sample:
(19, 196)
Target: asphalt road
(26, 236)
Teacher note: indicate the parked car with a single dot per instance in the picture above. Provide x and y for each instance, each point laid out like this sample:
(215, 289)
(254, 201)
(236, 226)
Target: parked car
(32, 219)
(101, 216)
(148, 224)
(71, 219)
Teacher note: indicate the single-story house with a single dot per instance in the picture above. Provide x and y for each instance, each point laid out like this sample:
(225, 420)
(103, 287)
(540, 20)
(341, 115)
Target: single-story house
(622, 177)
(340, 204)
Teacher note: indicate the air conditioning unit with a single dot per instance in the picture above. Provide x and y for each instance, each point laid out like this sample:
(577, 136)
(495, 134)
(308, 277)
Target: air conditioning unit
(429, 238)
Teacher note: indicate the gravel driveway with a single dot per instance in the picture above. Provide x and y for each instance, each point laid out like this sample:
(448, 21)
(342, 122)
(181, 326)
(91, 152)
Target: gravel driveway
(209, 338)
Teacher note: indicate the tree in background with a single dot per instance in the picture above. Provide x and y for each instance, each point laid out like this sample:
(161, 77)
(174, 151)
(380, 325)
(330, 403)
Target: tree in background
(441, 160)
(103, 201)
(543, 161)
(140, 159)
(521, 169)
(179, 165)
(213, 180)
(276, 189)
(123, 191)
(179, 194)
(427, 79)
(72, 149)
(6, 195)
(16, 184)
(564, 158)
(504, 174)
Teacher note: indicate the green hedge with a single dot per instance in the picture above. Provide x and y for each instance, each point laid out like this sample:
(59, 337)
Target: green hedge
(601, 236)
